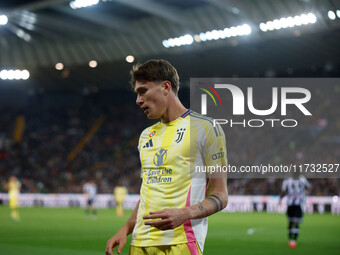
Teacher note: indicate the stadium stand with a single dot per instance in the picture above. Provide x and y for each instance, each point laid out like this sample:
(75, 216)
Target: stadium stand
(53, 131)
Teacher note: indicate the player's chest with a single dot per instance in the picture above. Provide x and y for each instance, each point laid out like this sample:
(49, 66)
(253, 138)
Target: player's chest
(166, 146)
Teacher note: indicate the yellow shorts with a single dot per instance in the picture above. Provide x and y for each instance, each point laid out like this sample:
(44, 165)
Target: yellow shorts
(120, 200)
(177, 249)
(13, 203)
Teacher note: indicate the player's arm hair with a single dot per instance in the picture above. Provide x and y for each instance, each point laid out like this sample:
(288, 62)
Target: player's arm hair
(131, 222)
(217, 200)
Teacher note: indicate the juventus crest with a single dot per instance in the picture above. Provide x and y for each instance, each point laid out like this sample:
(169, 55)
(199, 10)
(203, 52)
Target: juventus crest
(180, 133)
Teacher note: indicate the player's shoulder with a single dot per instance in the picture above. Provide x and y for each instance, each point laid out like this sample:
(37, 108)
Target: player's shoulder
(199, 118)
(304, 181)
(205, 123)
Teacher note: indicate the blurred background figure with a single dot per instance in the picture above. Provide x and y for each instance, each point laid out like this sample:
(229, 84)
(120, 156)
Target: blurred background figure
(119, 194)
(90, 192)
(13, 195)
(294, 188)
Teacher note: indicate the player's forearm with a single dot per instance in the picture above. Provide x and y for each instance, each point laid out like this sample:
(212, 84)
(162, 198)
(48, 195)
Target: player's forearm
(214, 203)
(131, 222)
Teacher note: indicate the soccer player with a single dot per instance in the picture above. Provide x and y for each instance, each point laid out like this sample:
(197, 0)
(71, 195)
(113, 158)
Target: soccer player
(13, 195)
(119, 194)
(90, 192)
(294, 189)
(171, 215)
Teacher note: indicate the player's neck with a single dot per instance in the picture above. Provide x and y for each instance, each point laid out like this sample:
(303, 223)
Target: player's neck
(174, 110)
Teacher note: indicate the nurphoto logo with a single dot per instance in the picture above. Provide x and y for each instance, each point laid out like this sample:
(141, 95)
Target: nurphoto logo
(295, 96)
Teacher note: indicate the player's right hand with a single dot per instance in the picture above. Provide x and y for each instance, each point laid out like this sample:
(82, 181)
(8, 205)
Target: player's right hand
(118, 239)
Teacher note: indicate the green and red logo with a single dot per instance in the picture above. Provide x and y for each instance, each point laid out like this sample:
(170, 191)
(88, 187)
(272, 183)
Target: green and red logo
(209, 93)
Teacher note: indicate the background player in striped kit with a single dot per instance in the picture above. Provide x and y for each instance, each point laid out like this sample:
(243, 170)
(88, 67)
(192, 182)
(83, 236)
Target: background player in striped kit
(171, 216)
(294, 189)
(90, 192)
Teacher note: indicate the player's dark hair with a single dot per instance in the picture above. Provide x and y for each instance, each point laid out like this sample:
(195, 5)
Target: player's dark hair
(156, 71)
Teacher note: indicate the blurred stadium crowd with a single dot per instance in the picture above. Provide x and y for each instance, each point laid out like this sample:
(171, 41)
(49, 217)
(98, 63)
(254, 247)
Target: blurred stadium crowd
(57, 153)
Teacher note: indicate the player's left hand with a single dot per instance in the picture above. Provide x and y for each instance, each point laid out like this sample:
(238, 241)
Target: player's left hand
(169, 218)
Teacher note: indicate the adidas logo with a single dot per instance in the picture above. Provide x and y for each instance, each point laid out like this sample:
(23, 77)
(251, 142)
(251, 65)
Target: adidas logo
(148, 144)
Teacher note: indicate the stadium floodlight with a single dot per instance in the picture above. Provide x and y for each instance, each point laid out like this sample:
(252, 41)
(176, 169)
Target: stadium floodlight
(197, 38)
(93, 63)
(3, 20)
(27, 25)
(208, 35)
(188, 39)
(10, 75)
(311, 18)
(203, 37)
(179, 41)
(270, 25)
(17, 75)
(130, 59)
(290, 22)
(20, 33)
(338, 13)
(277, 24)
(227, 32)
(59, 66)
(243, 30)
(3, 75)
(331, 15)
(287, 22)
(233, 31)
(166, 43)
(215, 34)
(25, 74)
(14, 74)
(83, 3)
(171, 42)
(305, 19)
(28, 17)
(23, 35)
(297, 21)
(221, 34)
(263, 27)
(27, 37)
(283, 23)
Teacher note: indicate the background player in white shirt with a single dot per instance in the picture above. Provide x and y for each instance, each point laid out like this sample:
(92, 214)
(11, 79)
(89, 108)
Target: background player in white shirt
(90, 192)
(294, 189)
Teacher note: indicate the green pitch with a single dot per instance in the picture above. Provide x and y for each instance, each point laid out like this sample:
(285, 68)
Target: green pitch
(68, 232)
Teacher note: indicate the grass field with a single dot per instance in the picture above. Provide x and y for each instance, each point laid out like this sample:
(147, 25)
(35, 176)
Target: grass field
(68, 232)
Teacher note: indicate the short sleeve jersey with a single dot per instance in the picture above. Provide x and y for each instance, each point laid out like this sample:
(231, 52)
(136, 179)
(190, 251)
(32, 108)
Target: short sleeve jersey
(90, 189)
(169, 153)
(14, 189)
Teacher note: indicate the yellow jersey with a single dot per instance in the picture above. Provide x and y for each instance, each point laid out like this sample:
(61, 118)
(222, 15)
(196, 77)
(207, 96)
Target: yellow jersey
(13, 189)
(119, 193)
(169, 153)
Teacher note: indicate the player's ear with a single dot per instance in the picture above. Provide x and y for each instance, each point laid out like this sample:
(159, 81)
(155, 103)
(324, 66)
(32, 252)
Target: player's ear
(166, 87)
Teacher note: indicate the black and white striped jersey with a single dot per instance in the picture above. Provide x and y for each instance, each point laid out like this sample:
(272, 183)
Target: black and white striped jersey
(295, 190)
